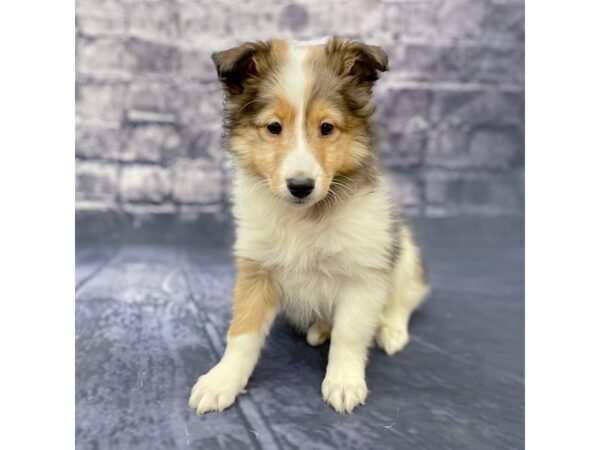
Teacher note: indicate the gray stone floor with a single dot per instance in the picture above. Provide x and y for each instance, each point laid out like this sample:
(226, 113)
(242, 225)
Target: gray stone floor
(152, 317)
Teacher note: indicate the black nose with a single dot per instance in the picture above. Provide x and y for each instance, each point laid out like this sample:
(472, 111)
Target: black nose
(300, 187)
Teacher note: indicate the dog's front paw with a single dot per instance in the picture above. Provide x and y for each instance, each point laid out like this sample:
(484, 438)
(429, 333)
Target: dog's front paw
(392, 340)
(216, 390)
(344, 393)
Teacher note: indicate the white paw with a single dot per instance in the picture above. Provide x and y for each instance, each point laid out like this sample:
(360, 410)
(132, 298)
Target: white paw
(392, 340)
(318, 333)
(216, 390)
(344, 393)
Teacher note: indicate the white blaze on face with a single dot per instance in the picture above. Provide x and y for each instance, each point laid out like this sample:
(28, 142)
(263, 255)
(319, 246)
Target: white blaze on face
(300, 162)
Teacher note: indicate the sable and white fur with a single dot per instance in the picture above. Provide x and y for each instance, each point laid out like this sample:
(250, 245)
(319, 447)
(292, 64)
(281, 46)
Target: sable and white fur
(340, 263)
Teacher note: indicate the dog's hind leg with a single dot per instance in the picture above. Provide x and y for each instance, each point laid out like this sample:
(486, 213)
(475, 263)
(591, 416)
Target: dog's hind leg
(318, 333)
(409, 289)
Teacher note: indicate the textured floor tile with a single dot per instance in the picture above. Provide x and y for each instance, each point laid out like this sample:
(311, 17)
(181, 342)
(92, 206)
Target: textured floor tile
(151, 318)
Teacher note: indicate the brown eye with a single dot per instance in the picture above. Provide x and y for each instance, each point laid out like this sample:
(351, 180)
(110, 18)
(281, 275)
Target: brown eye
(274, 128)
(326, 128)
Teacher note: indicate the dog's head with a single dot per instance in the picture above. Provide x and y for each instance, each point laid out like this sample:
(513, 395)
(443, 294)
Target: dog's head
(299, 115)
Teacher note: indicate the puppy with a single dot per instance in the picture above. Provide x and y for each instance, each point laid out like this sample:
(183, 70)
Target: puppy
(317, 237)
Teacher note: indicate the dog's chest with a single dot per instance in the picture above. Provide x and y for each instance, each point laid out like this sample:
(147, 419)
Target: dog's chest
(311, 259)
(310, 272)
(309, 262)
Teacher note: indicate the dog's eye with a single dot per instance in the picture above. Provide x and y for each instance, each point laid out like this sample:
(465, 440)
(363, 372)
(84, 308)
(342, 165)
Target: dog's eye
(326, 128)
(274, 128)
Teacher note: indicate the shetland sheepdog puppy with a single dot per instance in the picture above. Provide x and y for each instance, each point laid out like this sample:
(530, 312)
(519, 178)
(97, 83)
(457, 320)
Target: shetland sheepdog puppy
(317, 237)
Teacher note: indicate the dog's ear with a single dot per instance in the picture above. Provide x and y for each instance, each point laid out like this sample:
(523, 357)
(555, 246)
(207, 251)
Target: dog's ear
(360, 62)
(239, 64)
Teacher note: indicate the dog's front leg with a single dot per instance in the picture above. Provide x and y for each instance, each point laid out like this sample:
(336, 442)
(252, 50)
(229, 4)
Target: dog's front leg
(255, 304)
(355, 322)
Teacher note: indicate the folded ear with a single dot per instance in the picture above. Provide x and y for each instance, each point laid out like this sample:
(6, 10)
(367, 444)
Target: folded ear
(237, 65)
(354, 59)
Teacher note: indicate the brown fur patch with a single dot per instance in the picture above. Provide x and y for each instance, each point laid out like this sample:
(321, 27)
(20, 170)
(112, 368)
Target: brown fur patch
(351, 163)
(343, 186)
(255, 299)
(337, 152)
(260, 152)
(356, 60)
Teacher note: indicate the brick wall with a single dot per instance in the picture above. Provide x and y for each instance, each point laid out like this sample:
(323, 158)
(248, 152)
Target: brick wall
(148, 112)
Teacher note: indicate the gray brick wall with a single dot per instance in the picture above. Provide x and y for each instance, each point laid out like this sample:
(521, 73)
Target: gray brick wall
(148, 111)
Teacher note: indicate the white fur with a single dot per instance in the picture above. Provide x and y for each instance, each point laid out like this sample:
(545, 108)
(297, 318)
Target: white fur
(311, 259)
(318, 333)
(334, 269)
(406, 294)
(300, 162)
(219, 388)
(354, 324)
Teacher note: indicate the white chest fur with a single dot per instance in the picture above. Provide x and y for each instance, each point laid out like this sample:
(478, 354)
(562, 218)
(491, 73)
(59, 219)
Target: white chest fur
(311, 258)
